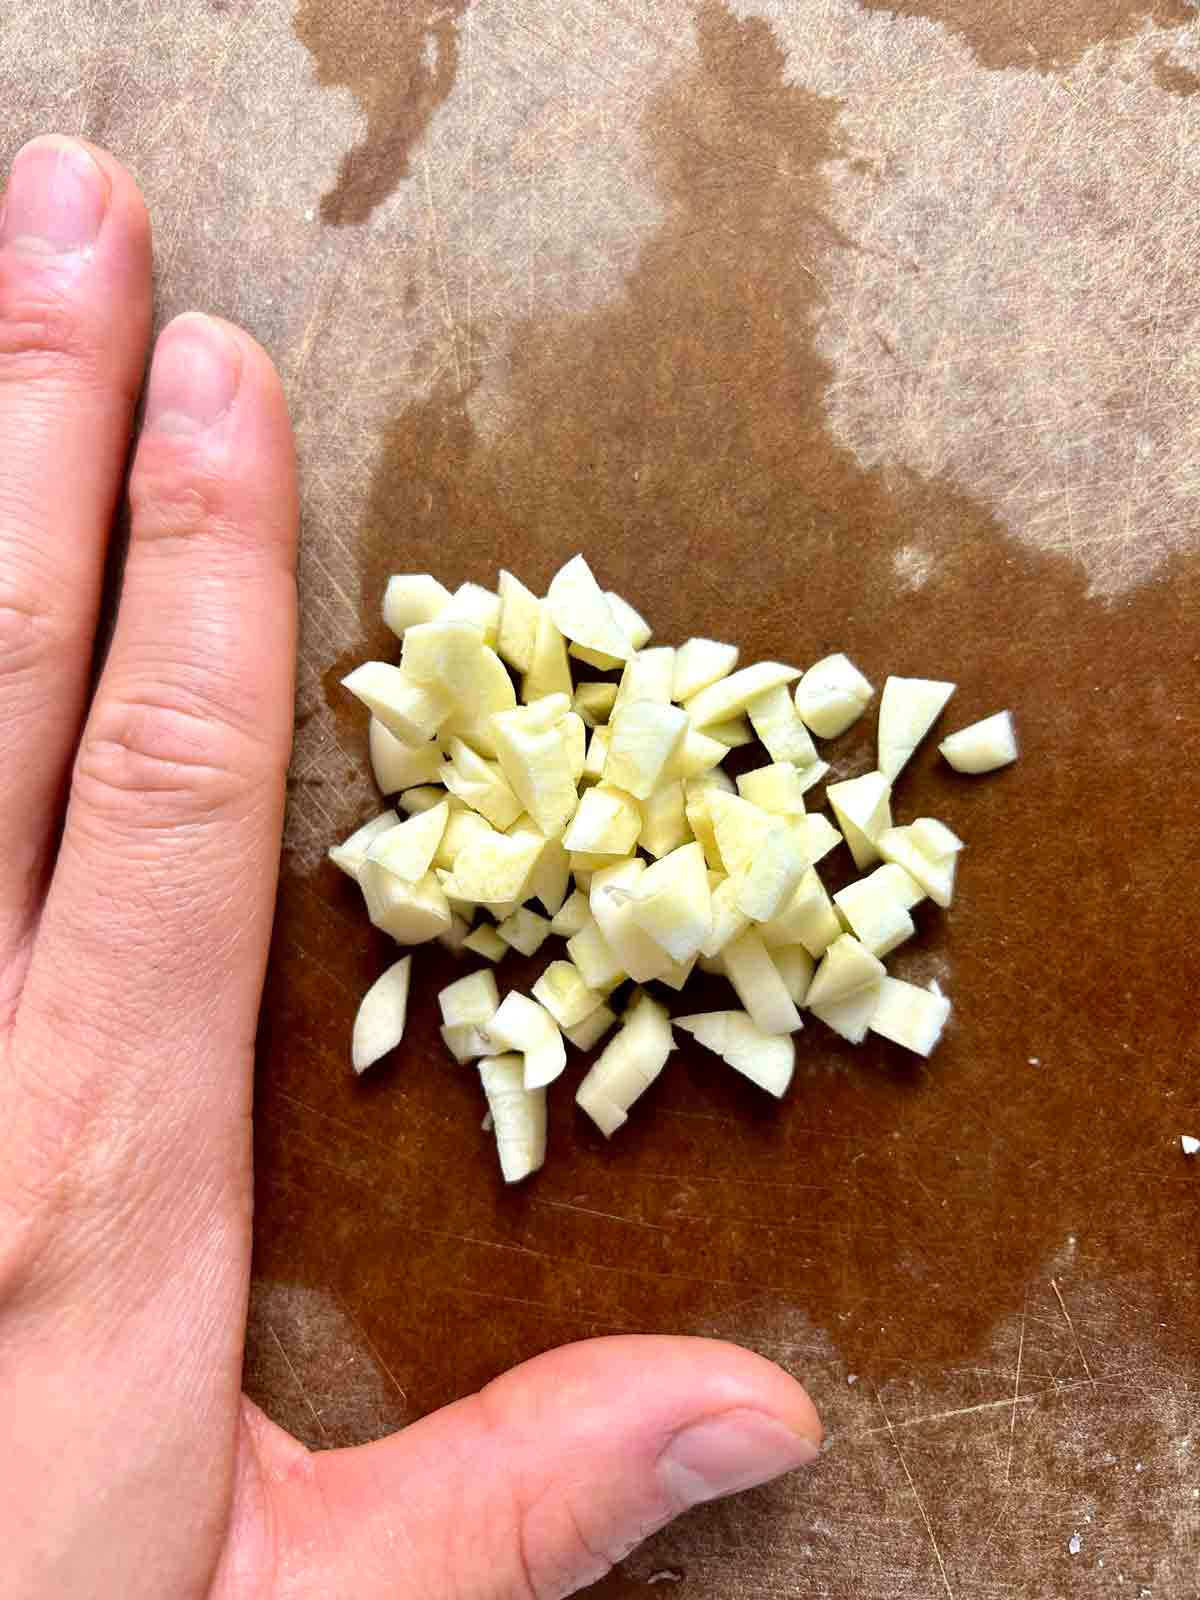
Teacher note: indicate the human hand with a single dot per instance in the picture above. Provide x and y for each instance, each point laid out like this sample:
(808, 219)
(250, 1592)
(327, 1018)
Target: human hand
(132, 951)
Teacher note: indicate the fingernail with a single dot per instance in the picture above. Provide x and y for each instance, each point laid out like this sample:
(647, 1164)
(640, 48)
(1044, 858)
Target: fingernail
(56, 199)
(195, 375)
(731, 1452)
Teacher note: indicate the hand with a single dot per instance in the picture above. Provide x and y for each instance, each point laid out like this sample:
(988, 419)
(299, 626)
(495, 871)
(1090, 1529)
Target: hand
(132, 950)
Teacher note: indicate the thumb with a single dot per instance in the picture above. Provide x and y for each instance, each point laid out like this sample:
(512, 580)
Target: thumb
(537, 1485)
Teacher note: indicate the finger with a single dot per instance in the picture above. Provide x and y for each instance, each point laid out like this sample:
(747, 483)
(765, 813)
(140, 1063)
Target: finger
(74, 324)
(544, 1480)
(145, 980)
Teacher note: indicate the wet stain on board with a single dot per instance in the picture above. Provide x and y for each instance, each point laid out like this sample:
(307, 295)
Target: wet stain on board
(400, 60)
(679, 438)
(1049, 34)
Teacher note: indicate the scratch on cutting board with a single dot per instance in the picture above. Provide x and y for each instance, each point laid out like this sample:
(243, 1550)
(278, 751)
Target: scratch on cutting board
(1016, 1399)
(1071, 1325)
(296, 1379)
(916, 1495)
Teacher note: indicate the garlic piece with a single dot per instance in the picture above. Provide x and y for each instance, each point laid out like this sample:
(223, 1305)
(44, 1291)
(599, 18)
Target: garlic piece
(488, 691)
(612, 897)
(862, 807)
(984, 746)
(379, 1024)
(628, 1065)
(768, 881)
(832, 695)
(518, 1116)
(411, 598)
(520, 609)
(808, 919)
(472, 603)
(351, 855)
(908, 708)
(594, 702)
(571, 916)
(700, 663)
(796, 967)
(910, 1016)
(494, 868)
(845, 988)
(522, 1024)
(582, 613)
(909, 848)
(648, 675)
(777, 789)
(408, 850)
(480, 784)
(594, 956)
(753, 974)
(486, 942)
(411, 712)
(673, 903)
(729, 921)
(474, 999)
(549, 671)
(730, 696)
(537, 763)
(874, 915)
(524, 931)
(607, 822)
(562, 992)
(777, 723)
(399, 766)
(588, 1033)
(664, 821)
(413, 913)
(643, 740)
(766, 1059)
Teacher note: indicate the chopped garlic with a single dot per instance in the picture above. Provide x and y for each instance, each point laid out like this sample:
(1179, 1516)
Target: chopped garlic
(411, 712)
(643, 739)
(486, 942)
(673, 903)
(873, 913)
(862, 807)
(808, 919)
(910, 1016)
(984, 746)
(832, 695)
(729, 921)
(648, 675)
(588, 1033)
(766, 1059)
(817, 835)
(846, 968)
(697, 755)
(741, 829)
(582, 613)
(408, 850)
(518, 1116)
(379, 1024)
(594, 702)
(525, 931)
(399, 766)
(699, 663)
(519, 612)
(412, 598)
(796, 967)
(472, 603)
(597, 755)
(664, 821)
(466, 1042)
(730, 696)
(594, 956)
(607, 822)
(628, 1065)
(908, 708)
(495, 868)
(777, 789)
(549, 671)
(768, 881)
(756, 980)
(733, 733)
(563, 993)
(522, 1024)
(427, 797)
(902, 847)
(489, 692)
(1189, 1145)
(474, 999)
(351, 855)
(571, 916)
(413, 913)
(612, 898)
(777, 723)
(537, 764)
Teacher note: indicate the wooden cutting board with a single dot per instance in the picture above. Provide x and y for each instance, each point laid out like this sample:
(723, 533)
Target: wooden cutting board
(815, 326)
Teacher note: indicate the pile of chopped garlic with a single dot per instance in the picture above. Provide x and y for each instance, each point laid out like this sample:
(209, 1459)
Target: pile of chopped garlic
(600, 813)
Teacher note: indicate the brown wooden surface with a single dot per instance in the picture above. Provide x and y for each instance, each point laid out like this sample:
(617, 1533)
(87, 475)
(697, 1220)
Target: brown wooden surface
(814, 327)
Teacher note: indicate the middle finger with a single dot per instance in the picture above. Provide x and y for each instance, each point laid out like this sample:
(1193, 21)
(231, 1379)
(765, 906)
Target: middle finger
(75, 304)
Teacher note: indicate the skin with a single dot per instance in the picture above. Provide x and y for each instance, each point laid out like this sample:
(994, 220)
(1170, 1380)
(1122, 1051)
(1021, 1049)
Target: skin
(141, 822)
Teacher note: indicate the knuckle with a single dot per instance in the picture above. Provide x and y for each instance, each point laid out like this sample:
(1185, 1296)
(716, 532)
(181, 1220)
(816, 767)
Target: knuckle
(148, 763)
(26, 633)
(44, 335)
(176, 504)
